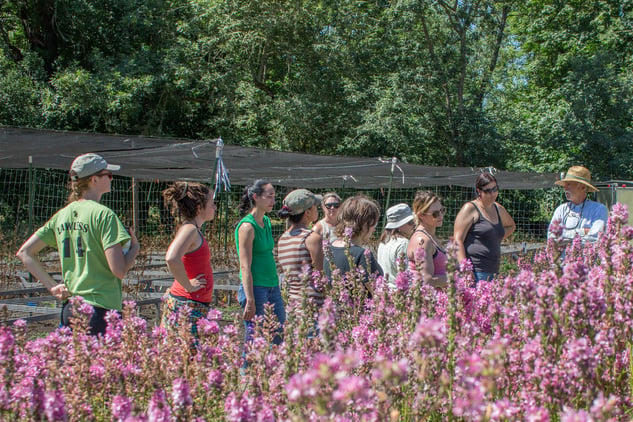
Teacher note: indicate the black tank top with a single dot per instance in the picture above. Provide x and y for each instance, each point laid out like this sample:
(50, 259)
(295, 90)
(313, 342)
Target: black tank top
(483, 243)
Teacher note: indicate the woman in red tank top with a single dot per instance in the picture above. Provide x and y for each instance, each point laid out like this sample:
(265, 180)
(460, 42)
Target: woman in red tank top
(188, 256)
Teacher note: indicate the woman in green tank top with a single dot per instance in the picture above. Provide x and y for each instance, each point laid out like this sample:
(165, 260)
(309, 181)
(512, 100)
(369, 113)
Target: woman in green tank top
(258, 270)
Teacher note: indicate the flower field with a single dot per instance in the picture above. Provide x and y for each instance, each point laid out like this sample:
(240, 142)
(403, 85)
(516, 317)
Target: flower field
(551, 343)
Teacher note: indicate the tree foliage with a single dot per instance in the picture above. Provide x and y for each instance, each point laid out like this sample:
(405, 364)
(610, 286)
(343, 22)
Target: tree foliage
(523, 85)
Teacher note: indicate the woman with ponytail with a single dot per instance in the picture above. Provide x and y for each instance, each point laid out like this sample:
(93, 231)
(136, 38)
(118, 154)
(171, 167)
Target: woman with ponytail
(89, 237)
(188, 256)
(258, 270)
(300, 249)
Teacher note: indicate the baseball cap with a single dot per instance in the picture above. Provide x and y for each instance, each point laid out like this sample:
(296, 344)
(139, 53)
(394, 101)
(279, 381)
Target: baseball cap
(88, 164)
(300, 200)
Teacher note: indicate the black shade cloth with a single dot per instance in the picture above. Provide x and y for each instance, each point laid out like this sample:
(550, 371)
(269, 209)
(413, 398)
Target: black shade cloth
(174, 159)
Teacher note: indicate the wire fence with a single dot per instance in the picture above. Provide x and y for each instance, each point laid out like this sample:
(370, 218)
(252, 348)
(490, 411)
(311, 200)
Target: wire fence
(29, 197)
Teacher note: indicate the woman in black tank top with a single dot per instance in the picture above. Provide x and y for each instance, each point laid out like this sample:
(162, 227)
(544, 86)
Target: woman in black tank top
(480, 226)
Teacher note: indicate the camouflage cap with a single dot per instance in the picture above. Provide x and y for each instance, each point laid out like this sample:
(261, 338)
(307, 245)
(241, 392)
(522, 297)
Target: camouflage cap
(300, 200)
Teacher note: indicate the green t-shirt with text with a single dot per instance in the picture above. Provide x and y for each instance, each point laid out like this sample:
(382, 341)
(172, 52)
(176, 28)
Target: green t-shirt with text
(82, 231)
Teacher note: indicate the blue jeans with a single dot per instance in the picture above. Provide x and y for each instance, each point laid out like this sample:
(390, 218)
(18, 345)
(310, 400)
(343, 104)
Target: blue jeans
(262, 296)
(480, 276)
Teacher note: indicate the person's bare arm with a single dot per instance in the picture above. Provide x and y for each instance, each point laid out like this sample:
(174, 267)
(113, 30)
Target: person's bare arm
(314, 244)
(246, 235)
(428, 267)
(119, 263)
(508, 222)
(318, 228)
(28, 255)
(463, 222)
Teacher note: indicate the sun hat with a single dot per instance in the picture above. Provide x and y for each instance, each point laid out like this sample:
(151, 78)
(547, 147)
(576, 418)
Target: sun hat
(578, 174)
(301, 200)
(398, 216)
(88, 164)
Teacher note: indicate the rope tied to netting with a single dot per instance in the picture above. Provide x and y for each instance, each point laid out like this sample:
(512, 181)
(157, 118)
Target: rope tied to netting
(393, 161)
(489, 169)
(221, 173)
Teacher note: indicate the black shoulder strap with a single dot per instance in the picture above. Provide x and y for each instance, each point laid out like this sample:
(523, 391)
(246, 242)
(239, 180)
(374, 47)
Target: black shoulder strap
(477, 208)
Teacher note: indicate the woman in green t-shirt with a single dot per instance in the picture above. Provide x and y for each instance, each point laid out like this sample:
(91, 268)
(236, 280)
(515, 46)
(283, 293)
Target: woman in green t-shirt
(258, 270)
(89, 237)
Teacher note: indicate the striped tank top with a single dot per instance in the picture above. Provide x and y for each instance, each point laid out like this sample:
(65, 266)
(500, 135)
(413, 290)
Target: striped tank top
(293, 255)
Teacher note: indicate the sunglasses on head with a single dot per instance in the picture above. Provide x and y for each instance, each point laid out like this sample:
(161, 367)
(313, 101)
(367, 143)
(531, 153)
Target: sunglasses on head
(331, 205)
(495, 188)
(437, 213)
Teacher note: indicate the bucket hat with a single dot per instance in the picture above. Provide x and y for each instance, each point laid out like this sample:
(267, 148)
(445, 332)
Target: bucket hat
(398, 216)
(578, 174)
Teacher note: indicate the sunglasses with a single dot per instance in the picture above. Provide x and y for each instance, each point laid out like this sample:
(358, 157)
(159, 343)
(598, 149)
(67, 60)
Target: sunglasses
(437, 213)
(108, 174)
(495, 188)
(331, 205)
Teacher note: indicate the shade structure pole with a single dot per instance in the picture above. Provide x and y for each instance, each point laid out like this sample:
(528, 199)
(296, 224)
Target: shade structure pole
(394, 160)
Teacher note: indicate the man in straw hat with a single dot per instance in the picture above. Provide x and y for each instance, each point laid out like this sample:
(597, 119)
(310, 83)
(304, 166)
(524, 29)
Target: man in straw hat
(579, 216)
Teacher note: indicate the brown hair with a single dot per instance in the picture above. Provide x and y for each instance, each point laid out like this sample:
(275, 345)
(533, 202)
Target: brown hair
(357, 212)
(483, 179)
(388, 234)
(184, 199)
(422, 201)
(257, 188)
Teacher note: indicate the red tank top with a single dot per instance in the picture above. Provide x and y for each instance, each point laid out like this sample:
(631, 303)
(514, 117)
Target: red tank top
(197, 262)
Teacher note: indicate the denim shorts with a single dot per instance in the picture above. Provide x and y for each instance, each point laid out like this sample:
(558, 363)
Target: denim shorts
(481, 276)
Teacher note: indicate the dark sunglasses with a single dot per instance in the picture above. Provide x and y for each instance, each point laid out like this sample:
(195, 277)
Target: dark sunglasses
(437, 213)
(108, 174)
(495, 188)
(331, 205)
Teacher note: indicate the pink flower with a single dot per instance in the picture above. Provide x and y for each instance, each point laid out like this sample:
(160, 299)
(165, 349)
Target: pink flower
(619, 214)
(556, 229)
(54, 406)
(215, 378)
(158, 409)
(180, 393)
(465, 266)
(403, 281)
(208, 327)
(428, 332)
(121, 408)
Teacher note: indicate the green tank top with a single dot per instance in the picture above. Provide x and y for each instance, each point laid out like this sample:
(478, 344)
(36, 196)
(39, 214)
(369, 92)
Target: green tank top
(263, 266)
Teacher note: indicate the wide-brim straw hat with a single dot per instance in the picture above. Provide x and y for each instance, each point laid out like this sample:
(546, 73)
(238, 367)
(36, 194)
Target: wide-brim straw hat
(578, 174)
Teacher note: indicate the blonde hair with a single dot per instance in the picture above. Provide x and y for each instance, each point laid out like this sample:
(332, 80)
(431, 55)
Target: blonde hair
(357, 212)
(78, 187)
(330, 195)
(422, 201)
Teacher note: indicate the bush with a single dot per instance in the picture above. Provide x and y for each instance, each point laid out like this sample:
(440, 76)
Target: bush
(551, 343)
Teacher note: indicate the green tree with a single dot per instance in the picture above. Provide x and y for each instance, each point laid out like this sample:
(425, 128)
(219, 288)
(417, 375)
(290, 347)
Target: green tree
(567, 94)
